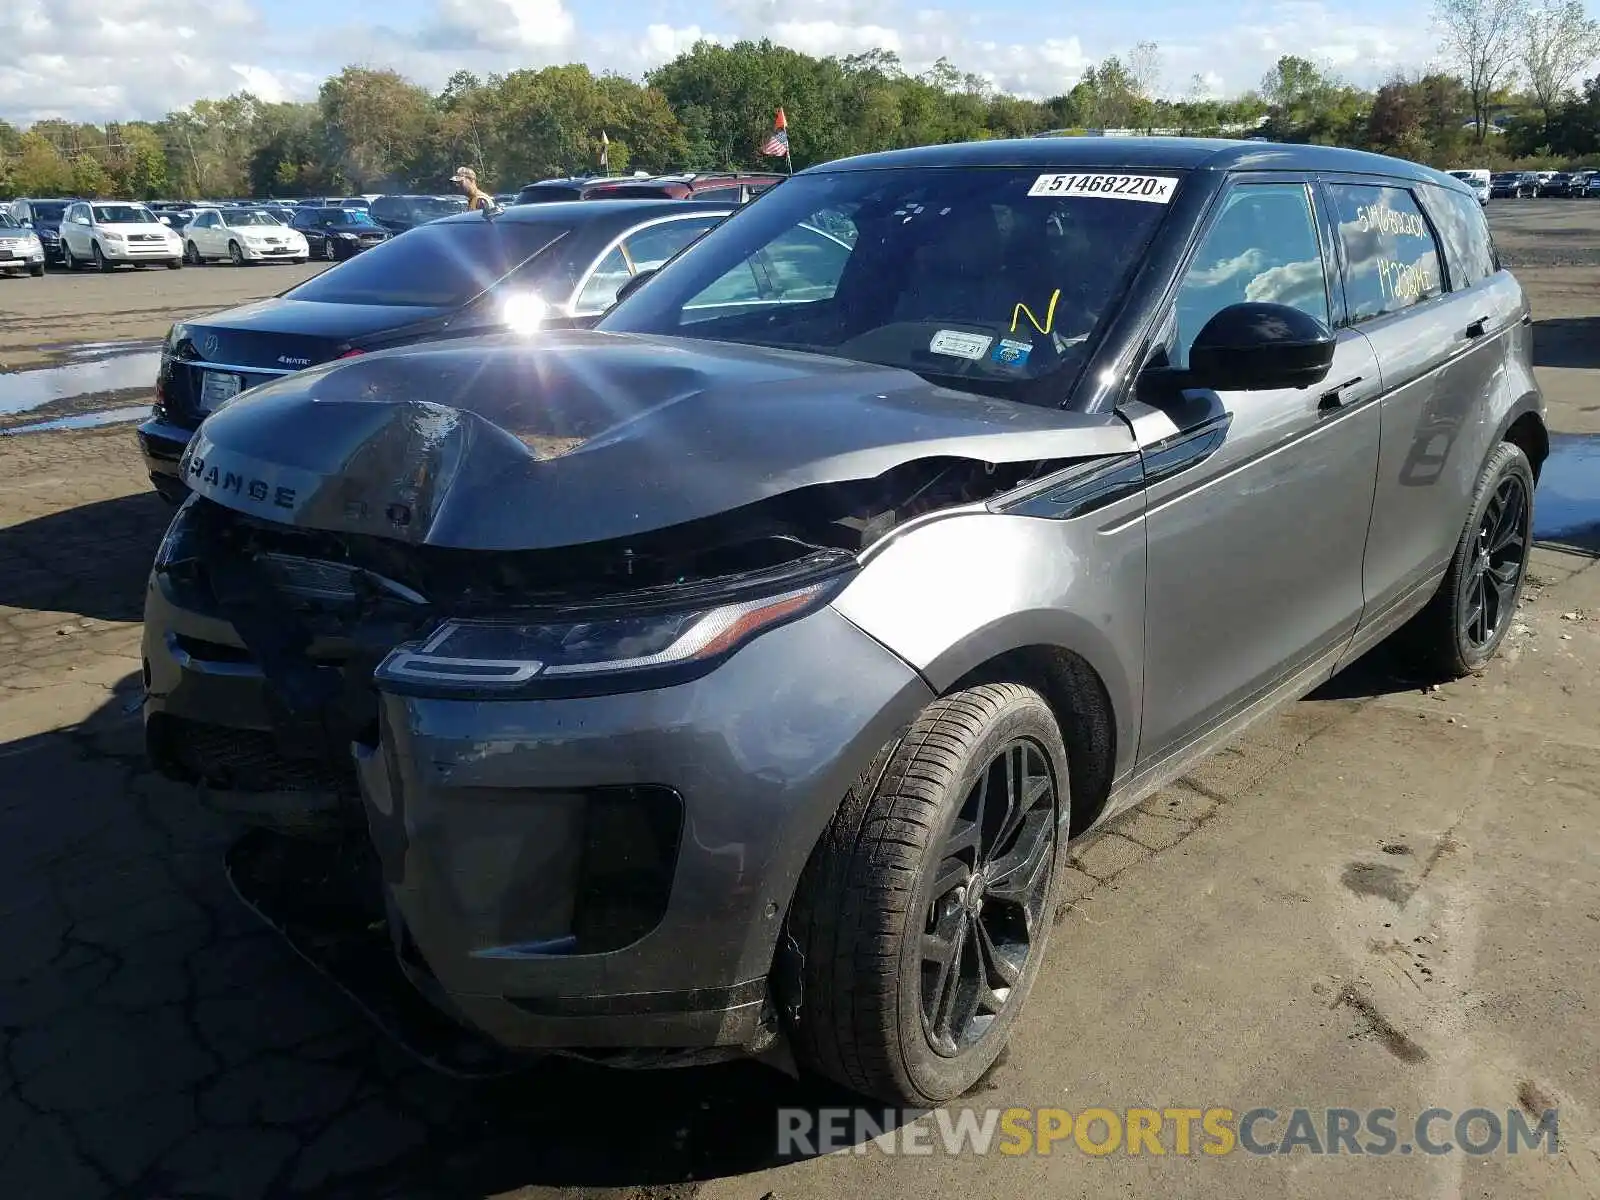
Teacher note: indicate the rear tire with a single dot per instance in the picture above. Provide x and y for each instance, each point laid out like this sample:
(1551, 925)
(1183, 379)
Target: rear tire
(1485, 576)
(915, 873)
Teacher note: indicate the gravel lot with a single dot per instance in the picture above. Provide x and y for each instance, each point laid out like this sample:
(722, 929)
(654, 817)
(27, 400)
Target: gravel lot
(1385, 897)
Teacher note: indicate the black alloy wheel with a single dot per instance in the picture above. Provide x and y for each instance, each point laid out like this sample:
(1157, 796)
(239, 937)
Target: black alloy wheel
(925, 910)
(1499, 555)
(989, 895)
(1467, 619)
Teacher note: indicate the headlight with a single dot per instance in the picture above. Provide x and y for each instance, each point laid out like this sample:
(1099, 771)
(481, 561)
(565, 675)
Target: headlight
(508, 656)
(111, 235)
(349, 237)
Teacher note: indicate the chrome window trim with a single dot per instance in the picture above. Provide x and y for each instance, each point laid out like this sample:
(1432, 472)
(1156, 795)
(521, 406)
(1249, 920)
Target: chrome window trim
(570, 306)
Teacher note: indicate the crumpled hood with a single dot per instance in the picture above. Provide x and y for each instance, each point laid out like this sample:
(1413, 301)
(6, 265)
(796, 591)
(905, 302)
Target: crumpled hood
(575, 436)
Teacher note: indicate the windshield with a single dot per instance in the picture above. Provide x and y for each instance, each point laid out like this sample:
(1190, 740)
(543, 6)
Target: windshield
(426, 208)
(987, 280)
(432, 266)
(48, 211)
(123, 214)
(251, 216)
(344, 216)
(7, 221)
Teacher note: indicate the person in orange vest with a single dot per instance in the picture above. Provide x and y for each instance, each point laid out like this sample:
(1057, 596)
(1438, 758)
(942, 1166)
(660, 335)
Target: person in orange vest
(467, 180)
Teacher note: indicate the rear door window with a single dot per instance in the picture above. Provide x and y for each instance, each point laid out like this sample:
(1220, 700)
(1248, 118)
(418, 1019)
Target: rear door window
(1469, 251)
(1391, 258)
(1262, 247)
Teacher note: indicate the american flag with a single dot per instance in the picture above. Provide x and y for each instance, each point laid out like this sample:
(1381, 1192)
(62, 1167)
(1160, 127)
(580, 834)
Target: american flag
(777, 146)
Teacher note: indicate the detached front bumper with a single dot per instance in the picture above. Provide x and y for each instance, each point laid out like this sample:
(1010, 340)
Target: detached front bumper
(613, 872)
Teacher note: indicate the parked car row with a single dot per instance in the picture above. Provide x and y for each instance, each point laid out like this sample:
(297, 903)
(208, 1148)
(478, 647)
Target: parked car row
(1528, 185)
(728, 680)
(77, 233)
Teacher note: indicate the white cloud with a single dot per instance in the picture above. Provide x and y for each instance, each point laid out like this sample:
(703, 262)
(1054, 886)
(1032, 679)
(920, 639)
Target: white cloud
(824, 38)
(505, 24)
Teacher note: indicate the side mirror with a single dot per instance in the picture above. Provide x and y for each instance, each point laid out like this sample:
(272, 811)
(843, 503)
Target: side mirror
(27, 224)
(633, 285)
(1255, 347)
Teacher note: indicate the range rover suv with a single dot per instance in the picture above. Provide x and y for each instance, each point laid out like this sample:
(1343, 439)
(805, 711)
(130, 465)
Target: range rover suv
(737, 671)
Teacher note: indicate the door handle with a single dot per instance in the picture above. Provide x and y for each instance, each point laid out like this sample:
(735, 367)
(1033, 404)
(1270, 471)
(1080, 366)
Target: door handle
(1334, 397)
(1478, 327)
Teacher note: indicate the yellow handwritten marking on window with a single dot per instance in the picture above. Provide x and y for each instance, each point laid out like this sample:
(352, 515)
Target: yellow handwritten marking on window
(1022, 310)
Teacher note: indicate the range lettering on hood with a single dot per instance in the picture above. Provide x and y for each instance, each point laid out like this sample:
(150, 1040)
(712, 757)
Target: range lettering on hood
(211, 479)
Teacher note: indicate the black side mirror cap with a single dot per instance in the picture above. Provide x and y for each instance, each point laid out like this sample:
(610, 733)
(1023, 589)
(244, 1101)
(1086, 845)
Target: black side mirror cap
(633, 285)
(1255, 346)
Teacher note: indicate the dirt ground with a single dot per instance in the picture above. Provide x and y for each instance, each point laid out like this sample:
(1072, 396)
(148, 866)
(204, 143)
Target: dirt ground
(1385, 897)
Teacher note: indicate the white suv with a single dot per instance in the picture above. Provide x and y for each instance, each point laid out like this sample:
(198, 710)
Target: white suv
(106, 233)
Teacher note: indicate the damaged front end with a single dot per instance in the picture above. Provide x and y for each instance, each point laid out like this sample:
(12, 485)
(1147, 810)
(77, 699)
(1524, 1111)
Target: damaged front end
(311, 624)
(569, 668)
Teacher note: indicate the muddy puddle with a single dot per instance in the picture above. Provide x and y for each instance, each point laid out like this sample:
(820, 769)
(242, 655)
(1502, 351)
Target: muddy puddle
(1566, 508)
(90, 370)
(88, 420)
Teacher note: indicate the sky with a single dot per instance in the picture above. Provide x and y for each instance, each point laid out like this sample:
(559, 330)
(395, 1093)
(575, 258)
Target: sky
(138, 59)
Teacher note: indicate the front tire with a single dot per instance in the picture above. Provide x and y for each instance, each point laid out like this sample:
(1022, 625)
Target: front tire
(329, 251)
(101, 262)
(925, 911)
(67, 260)
(235, 255)
(1469, 616)
(191, 254)
(36, 271)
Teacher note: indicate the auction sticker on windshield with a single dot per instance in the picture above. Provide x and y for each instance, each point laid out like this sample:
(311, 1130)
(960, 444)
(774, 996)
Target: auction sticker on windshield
(961, 345)
(1152, 189)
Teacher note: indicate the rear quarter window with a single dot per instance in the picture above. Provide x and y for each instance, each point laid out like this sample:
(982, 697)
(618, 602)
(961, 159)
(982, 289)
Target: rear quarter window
(1391, 257)
(1468, 247)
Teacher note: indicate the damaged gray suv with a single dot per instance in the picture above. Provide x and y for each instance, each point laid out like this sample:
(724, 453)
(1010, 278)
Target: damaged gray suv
(731, 677)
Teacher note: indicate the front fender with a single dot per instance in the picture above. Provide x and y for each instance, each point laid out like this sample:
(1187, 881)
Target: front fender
(958, 591)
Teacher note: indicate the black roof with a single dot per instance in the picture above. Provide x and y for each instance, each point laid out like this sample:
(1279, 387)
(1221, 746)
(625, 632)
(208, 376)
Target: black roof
(1171, 153)
(583, 211)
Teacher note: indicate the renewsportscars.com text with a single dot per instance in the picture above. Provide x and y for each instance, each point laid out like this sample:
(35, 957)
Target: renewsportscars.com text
(1180, 1132)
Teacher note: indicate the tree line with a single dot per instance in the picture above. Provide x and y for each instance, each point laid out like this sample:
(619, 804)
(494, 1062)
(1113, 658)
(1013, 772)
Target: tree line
(1507, 96)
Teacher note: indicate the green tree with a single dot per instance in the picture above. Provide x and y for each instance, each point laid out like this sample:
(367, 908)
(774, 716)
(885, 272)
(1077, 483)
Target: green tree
(90, 178)
(377, 123)
(40, 168)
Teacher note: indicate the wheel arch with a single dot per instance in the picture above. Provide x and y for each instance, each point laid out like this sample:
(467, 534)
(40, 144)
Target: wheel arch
(1083, 709)
(1524, 427)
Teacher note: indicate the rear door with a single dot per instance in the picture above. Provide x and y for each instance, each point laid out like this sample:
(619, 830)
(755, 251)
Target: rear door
(1422, 284)
(1258, 501)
